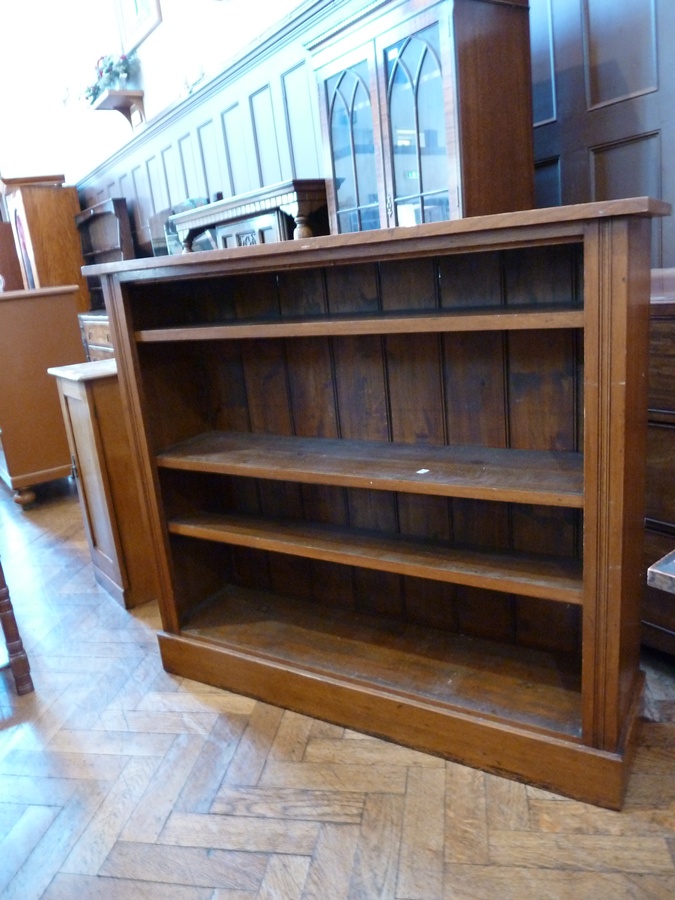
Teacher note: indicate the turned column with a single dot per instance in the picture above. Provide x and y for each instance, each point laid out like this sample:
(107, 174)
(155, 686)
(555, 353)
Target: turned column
(18, 661)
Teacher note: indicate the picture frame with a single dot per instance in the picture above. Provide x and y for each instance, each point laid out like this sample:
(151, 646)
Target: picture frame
(136, 19)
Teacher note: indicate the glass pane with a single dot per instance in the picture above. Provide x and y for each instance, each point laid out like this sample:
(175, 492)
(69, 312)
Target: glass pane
(341, 144)
(408, 212)
(364, 148)
(352, 146)
(433, 151)
(348, 221)
(370, 218)
(417, 128)
(403, 125)
(436, 208)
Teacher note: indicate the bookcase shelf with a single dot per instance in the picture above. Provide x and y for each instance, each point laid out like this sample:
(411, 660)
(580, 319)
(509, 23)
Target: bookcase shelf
(552, 578)
(501, 320)
(395, 479)
(523, 476)
(531, 687)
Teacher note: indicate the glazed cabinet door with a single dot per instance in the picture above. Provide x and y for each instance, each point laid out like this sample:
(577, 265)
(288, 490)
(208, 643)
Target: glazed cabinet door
(427, 112)
(350, 114)
(389, 126)
(421, 158)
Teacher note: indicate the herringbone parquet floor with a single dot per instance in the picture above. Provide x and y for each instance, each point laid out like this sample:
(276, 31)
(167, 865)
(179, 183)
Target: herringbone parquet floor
(118, 780)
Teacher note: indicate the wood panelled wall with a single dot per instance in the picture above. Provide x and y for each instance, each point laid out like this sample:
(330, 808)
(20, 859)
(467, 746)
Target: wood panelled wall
(256, 124)
(603, 86)
(603, 89)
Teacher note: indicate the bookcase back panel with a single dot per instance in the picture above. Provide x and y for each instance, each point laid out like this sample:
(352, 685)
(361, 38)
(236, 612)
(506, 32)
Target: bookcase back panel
(529, 276)
(415, 389)
(456, 608)
(268, 615)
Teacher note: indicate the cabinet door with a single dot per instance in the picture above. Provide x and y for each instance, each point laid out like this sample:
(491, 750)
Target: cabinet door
(387, 106)
(93, 486)
(421, 152)
(351, 114)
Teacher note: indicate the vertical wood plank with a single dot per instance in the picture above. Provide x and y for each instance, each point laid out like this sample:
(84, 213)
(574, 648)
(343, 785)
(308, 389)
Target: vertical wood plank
(315, 414)
(616, 279)
(362, 408)
(543, 395)
(475, 412)
(266, 375)
(415, 382)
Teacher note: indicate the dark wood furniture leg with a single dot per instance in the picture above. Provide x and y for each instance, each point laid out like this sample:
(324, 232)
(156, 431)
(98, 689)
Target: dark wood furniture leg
(18, 661)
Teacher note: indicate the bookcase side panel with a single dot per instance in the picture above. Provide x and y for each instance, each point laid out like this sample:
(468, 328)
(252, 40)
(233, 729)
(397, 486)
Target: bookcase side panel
(617, 304)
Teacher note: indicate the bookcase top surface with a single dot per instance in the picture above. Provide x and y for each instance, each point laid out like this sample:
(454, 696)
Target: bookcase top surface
(476, 232)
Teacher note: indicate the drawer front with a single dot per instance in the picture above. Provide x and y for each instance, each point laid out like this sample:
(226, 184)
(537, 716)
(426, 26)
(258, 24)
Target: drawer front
(96, 336)
(97, 332)
(95, 352)
(662, 364)
(660, 494)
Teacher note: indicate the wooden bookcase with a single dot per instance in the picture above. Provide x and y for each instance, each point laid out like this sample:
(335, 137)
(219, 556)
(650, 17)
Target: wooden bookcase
(105, 233)
(395, 479)
(42, 212)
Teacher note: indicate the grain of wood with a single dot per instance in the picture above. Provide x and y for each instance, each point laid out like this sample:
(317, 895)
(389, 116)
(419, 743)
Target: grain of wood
(112, 743)
(21, 839)
(285, 877)
(508, 883)
(290, 741)
(66, 887)
(53, 847)
(180, 701)
(507, 805)
(569, 817)
(601, 853)
(156, 722)
(159, 798)
(53, 764)
(377, 851)
(466, 822)
(315, 776)
(239, 833)
(332, 861)
(286, 803)
(340, 815)
(198, 866)
(368, 752)
(420, 875)
(206, 774)
(104, 828)
(251, 755)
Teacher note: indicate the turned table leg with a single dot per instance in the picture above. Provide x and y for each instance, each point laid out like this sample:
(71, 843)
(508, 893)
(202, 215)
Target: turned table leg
(18, 661)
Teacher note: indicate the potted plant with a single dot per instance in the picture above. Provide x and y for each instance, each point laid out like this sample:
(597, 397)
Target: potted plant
(111, 72)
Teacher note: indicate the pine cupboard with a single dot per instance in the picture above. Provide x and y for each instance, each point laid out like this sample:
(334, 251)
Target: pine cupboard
(396, 479)
(113, 512)
(38, 329)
